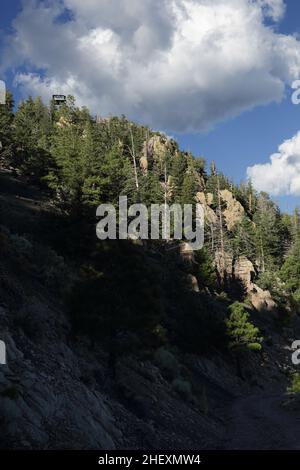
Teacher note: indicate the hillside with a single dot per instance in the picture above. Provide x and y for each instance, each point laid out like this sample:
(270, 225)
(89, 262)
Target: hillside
(138, 344)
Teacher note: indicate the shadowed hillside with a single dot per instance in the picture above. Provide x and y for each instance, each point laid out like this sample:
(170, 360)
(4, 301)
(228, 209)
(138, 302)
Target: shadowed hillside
(138, 344)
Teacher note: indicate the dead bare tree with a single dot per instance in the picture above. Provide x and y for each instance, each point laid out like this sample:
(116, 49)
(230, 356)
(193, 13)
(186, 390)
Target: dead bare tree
(222, 257)
(133, 156)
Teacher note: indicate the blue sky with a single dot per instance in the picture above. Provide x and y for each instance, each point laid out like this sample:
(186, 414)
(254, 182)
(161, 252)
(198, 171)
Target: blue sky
(239, 126)
(248, 139)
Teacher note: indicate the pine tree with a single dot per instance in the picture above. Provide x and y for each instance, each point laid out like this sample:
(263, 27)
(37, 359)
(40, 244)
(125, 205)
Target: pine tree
(188, 190)
(242, 240)
(290, 270)
(242, 333)
(110, 180)
(32, 132)
(6, 128)
(270, 233)
(177, 171)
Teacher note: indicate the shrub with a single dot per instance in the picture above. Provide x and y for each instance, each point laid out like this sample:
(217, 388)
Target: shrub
(51, 268)
(183, 388)
(294, 388)
(271, 281)
(49, 265)
(167, 362)
(21, 245)
(11, 392)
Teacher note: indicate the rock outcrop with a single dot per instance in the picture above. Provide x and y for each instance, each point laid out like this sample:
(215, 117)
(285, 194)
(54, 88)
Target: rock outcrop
(193, 283)
(154, 151)
(206, 200)
(245, 271)
(234, 211)
(262, 299)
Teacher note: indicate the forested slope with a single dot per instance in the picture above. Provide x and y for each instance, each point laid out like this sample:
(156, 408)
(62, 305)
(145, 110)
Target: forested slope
(136, 344)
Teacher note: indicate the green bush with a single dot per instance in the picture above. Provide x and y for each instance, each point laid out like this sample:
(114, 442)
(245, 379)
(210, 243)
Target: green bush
(294, 388)
(47, 264)
(51, 268)
(271, 281)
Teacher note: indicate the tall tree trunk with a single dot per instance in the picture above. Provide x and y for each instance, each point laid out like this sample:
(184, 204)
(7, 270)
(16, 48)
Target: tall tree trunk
(262, 255)
(212, 238)
(166, 200)
(222, 257)
(134, 161)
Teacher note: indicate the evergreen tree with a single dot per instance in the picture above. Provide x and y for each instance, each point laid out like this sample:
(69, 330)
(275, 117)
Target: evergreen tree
(290, 270)
(32, 131)
(178, 169)
(188, 190)
(242, 239)
(270, 233)
(242, 333)
(6, 128)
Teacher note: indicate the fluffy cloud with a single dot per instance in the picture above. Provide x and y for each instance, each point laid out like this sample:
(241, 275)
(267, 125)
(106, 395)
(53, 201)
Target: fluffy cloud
(281, 176)
(275, 9)
(179, 65)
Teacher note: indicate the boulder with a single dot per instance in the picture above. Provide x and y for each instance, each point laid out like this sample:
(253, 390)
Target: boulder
(261, 299)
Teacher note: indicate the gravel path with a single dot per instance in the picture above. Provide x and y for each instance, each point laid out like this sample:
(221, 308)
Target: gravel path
(258, 421)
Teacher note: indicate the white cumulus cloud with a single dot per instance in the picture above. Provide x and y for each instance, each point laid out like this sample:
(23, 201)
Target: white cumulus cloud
(275, 9)
(179, 65)
(280, 176)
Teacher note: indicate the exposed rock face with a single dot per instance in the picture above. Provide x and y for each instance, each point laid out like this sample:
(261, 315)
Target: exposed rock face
(154, 151)
(262, 299)
(234, 211)
(241, 268)
(209, 199)
(193, 283)
(63, 122)
(187, 253)
(226, 263)
(144, 164)
(244, 270)
(206, 200)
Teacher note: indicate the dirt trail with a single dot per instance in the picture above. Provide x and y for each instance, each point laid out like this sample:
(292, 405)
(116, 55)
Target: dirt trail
(258, 421)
